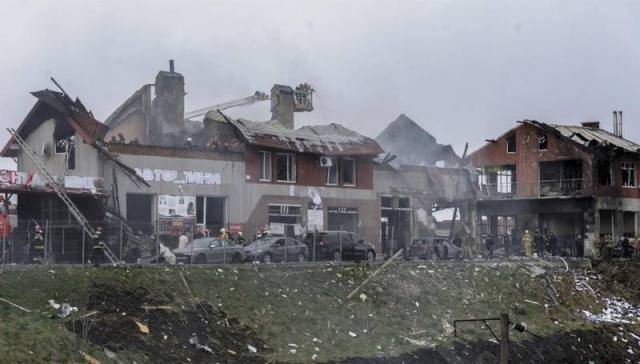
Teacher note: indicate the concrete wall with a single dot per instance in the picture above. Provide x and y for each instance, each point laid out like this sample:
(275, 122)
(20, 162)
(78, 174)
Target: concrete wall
(85, 155)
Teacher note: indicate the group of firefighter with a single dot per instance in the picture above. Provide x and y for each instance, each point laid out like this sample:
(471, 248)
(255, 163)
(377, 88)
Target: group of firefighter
(537, 244)
(37, 246)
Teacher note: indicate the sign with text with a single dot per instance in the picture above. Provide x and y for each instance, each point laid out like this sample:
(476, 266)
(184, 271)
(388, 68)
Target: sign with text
(176, 206)
(184, 177)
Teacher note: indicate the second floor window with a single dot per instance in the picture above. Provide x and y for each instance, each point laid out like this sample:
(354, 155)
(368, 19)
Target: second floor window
(349, 172)
(265, 166)
(286, 168)
(628, 174)
(511, 143)
(542, 140)
(332, 172)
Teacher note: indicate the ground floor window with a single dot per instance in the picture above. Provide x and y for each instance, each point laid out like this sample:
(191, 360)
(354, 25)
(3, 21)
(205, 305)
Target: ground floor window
(139, 212)
(285, 218)
(210, 213)
(342, 218)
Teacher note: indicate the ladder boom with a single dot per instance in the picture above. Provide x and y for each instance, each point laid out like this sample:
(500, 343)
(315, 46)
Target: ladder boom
(258, 96)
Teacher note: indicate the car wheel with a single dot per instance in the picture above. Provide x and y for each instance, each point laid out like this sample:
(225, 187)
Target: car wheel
(371, 256)
(301, 258)
(201, 259)
(236, 258)
(337, 256)
(266, 258)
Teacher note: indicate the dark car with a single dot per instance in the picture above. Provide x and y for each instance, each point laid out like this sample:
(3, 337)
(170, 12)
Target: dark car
(338, 245)
(276, 250)
(430, 247)
(210, 250)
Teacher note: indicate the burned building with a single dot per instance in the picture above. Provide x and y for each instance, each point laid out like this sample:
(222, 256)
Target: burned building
(574, 180)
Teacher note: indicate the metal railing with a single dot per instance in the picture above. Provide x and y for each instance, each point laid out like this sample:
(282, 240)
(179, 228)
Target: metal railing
(544, 188)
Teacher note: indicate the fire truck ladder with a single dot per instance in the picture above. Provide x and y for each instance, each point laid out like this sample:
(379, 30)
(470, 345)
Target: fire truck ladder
(61, 192)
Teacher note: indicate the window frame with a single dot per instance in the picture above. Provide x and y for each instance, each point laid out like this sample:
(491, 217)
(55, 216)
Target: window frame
(265, 156)
(291, 167)
(334, 167)
(354, 169)
(628, 166)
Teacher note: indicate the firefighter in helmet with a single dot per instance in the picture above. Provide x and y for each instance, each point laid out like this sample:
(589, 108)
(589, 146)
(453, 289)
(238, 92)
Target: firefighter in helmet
(37, 245)
(97, 251)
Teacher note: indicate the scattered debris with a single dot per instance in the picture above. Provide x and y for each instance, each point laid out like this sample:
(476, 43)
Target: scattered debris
(89, 359)
(194, 341)
(143, 328)
(617, 310)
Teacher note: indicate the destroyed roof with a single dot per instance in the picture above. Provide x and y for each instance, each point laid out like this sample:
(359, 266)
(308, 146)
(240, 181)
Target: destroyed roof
(331, 139)
(134, 99)
(80, 119)
(413, 145)
(589, 137)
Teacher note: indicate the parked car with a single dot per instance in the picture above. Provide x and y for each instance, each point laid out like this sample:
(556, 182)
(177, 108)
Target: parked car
(327, 246)
(276, 249)
(430, 247)
(210, 250)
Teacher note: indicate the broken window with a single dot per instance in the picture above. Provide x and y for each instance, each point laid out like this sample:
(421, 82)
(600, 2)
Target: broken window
(210, 212)
(285, 214)
(286, 165)
(65, 144)
(265, 166)
(511, 143)
(628, 174)
(604, 173)
(542, 140)
(332, 171)
(349, 171)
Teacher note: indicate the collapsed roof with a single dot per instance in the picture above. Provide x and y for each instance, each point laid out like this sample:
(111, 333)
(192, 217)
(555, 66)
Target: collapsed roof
(331, 139)
(589, 136)
(412, 145)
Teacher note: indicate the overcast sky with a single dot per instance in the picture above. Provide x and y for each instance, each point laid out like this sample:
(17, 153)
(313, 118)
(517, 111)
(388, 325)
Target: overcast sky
(463, 70)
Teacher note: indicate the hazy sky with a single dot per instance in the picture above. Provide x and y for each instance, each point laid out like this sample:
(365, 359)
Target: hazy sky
(463, 70)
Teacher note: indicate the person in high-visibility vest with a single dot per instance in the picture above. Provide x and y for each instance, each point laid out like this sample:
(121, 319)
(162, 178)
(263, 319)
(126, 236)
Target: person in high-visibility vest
(97, 251)
(527, 241)
(37, 245)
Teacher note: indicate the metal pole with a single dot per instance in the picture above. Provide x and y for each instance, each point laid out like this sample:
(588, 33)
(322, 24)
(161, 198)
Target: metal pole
(83, 243)
(120, 239)
(255, 248)
(340, 244)
(315, 235)
(504, 338)
(391, 242)
(4, 239)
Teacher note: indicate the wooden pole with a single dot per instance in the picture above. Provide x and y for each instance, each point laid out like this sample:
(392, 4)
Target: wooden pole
(504, 338)
(376, 272)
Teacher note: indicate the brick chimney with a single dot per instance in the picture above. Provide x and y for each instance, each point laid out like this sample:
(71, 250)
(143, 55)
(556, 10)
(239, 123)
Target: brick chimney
(591, 124)
(167, 110)
(282, 105)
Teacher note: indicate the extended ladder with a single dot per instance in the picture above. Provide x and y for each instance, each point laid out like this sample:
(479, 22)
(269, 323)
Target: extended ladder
(61, 193)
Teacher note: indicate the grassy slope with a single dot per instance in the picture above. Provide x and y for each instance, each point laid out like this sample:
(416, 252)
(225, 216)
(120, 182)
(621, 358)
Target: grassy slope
(301, 305)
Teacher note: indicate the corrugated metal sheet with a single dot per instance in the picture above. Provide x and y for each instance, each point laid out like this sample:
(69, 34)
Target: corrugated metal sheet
(590, 137)
(332, 139)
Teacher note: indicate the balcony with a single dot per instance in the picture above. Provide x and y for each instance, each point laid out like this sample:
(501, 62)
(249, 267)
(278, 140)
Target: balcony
(533, 189)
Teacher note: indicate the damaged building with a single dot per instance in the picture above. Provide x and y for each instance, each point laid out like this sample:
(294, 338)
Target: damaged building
(574, 180)
(411, 184)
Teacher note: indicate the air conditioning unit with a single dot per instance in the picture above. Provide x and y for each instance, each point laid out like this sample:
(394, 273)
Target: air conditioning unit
(326, 162)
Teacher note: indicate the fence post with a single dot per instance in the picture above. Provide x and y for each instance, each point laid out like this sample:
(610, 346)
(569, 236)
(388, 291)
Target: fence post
(315, 236)
(83, 244)
(504, 339)
(120, 239)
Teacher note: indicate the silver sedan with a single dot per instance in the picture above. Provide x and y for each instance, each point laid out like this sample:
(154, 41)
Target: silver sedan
(210, 250)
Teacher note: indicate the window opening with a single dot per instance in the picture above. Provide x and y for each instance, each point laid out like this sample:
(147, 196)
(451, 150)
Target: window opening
(628, 174)
(604, 173)
(332, 172)
(349, 171)
(286, 165)
(265, 166)
(542, 140)
(511, 143)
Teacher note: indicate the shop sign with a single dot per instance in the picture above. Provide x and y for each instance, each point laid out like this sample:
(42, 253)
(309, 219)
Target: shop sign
(184, 177)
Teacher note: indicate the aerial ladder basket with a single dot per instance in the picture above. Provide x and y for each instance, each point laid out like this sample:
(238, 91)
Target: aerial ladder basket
(59, 190)
(303, 96)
